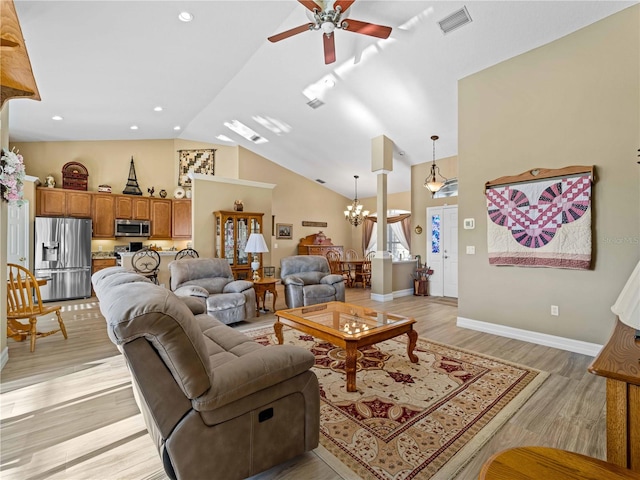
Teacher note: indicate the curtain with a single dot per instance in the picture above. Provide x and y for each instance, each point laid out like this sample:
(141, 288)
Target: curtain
(400, 224)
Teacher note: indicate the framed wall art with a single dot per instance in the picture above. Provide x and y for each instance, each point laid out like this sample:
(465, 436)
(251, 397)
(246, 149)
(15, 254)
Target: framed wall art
(196, 161)
(284, 230)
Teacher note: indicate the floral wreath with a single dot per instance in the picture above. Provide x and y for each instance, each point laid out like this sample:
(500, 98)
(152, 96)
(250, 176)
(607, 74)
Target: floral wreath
(11, 176)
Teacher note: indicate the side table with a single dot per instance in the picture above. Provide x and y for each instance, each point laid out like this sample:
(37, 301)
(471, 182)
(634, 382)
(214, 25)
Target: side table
(619, 363)
(261, 287)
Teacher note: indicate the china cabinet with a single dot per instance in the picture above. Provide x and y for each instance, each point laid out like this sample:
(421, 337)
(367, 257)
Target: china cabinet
(232, 232)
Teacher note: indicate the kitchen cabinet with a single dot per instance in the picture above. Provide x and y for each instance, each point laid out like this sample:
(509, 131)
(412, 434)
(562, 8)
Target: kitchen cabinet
(57, 202)
(181, 218)
(103, 215)
(100, 263)
(160, 218)
(132, 207)
(232, 232)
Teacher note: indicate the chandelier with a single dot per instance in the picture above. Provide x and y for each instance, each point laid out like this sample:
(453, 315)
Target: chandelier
(354, 212)
(431, 182)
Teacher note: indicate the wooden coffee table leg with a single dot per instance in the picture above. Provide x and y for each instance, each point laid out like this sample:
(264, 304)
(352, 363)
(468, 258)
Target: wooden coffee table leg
(277, 328)
(275, 295)
(413, 339)
(350, 367)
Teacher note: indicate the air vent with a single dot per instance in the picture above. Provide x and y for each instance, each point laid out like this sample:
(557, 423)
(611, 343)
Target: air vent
(315, 103)
(320, 181)
(455, 20)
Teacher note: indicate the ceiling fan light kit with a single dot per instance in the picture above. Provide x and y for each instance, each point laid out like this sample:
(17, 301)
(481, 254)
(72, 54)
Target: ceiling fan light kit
(328, 20)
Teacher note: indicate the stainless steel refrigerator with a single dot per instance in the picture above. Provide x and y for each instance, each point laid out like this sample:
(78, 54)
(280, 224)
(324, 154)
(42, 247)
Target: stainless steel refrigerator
(63, 256)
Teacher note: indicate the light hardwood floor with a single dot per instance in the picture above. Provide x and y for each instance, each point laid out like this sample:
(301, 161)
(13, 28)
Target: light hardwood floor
(68, 410)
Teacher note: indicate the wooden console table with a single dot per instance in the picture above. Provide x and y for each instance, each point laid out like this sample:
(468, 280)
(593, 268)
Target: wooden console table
(619, 362)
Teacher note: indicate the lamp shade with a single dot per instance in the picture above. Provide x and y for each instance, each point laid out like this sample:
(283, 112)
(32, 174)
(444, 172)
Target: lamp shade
(627, 306)
(256, 244)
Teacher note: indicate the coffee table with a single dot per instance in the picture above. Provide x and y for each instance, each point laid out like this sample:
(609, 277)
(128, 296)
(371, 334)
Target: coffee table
(347, 326)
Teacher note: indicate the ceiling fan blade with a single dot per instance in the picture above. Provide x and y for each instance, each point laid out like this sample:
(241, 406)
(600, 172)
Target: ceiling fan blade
(329, 48)
(310, 4)
(290, 33)
(366, 28)
(343, 4)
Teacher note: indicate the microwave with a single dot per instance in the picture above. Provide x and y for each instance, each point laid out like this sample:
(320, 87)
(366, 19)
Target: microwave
(133, 228)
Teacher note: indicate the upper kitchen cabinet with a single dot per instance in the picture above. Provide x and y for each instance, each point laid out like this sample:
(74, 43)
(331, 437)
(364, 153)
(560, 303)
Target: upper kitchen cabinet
(181, 218)
(160, 218)
(132, 207)
(103, 215)
(56, 202)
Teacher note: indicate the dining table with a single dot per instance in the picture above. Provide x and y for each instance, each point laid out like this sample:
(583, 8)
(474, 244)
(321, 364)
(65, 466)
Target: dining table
(356, 267)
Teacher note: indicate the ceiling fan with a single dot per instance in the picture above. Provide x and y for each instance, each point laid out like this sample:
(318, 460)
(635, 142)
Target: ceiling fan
(327, 19)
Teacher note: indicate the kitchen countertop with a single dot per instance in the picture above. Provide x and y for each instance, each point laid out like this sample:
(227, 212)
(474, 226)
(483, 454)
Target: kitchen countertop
(160, 252)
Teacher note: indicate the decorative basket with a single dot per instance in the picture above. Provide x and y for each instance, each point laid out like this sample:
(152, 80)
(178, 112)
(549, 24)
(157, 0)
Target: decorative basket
(74, 176)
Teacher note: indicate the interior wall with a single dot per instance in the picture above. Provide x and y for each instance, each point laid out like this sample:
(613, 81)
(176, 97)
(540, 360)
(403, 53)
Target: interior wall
(571, 102)
(216, 193)
(4, 143)
(297, 199)
(421, 199)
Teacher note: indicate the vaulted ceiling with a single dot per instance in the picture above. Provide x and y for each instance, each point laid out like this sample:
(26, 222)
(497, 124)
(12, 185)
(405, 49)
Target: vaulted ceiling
(104, 66)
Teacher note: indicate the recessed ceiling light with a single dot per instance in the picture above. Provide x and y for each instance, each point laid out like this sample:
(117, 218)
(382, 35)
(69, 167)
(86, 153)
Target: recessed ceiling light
(56, 117)
(133, 127)
(224, 138)
(177, 127)
(185, 17)
(157, 109)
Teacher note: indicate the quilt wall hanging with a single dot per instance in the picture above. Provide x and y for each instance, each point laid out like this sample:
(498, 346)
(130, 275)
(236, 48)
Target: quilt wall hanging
(541, 218)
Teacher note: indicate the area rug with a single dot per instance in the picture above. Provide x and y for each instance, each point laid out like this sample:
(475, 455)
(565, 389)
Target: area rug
(411, 421)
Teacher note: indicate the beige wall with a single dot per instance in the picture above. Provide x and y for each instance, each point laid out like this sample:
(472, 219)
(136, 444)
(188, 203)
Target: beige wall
(296, 199)
(421, 199)
(571, 102)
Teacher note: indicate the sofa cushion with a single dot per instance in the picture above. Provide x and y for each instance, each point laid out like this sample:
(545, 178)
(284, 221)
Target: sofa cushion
(191, 290)
(323, 292)
(310, 278)
(188, 270)
(225, 301)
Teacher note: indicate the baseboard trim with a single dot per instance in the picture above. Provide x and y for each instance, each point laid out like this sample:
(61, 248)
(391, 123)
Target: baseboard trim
(382, 298)
(562, 343)
(403, 293)
(4, 357)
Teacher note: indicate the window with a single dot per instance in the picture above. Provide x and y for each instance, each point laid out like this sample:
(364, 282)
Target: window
(394, 246)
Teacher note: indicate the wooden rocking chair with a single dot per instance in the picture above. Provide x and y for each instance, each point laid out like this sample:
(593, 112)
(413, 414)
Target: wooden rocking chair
(24, 302)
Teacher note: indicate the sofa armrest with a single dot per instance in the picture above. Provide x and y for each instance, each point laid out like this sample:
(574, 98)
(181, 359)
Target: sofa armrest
(332, 279)
(237, 286)
(293, 280)
(253, 372)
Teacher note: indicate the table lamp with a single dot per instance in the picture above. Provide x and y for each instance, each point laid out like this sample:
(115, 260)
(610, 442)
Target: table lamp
(627, 306)
(255, 246)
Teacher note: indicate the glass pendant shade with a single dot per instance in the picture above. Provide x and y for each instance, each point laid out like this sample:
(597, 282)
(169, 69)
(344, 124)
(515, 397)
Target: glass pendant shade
(432, 183)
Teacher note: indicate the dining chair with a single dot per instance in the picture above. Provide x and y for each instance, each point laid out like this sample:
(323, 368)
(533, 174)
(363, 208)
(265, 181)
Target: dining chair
(351, 254)
(187, 253)
(146, 262)
(363, 272)
(24, 302)
(336, 266)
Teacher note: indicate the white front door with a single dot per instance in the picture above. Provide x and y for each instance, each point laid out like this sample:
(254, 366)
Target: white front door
(18, 234)
(450, 252)
(442, 250)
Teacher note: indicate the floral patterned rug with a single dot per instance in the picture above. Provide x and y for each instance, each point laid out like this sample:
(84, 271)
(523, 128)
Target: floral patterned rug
(411, 421)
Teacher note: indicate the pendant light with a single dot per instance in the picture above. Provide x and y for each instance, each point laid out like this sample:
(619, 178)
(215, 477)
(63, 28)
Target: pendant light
(354, 213)
(431, 182)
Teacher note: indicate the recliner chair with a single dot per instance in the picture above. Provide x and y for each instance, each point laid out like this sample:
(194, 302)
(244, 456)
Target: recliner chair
(308, 280)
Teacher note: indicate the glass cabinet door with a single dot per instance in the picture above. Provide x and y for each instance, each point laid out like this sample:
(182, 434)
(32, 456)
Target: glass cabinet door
(243, 236)
(229, 245)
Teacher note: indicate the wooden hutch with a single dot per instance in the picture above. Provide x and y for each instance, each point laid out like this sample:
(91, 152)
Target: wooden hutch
(318, 244)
